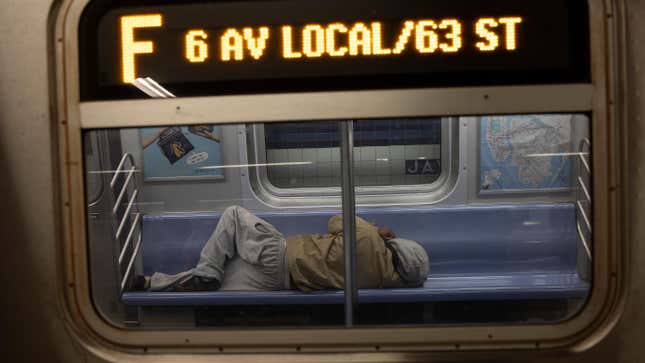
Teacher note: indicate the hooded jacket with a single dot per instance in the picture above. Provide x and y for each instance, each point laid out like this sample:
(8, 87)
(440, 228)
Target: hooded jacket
(317, 262)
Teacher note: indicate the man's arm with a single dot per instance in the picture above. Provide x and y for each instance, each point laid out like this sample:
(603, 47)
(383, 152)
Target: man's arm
(335, 224)
(386, 233)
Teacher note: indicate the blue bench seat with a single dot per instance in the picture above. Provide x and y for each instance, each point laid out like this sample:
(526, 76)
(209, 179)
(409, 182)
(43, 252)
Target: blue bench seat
(507, 252)
(446, 288)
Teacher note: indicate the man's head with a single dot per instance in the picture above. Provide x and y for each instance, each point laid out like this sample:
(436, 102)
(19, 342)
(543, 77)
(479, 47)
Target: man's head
(386, 233)
(410, 260)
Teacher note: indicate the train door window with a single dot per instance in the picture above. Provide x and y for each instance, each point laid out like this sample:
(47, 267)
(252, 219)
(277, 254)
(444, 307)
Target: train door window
(388, 152)
(454, 137)
(413, 158)
(174, 241)
(517, 249)
(176, 207)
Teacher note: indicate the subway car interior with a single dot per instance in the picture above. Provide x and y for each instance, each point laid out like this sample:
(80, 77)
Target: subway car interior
(513, 235)
(295, 180)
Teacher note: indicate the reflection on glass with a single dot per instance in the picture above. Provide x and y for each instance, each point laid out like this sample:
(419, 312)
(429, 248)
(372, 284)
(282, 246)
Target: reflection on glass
(178, 237)
(175, 220)
(387, 152)
(526, 152)
(517, 249)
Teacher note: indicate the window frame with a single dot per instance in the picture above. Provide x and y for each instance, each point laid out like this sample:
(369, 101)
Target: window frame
(94, 143)
(365, 195)
(599, 315)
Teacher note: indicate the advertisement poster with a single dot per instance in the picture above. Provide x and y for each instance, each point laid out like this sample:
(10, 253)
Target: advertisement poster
(181, 152)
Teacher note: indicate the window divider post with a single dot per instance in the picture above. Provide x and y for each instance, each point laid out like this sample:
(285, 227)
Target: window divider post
(349, 217)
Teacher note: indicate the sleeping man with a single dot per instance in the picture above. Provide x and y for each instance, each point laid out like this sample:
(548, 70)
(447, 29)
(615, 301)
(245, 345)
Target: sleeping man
(247, 253)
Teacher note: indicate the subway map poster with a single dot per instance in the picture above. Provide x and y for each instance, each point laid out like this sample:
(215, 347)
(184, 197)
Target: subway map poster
(525, 152)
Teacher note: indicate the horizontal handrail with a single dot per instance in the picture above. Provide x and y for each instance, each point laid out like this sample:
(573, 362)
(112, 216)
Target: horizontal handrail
(585, 244)
(131, 263)
(133, 227)
(126, 214)
(123, 189)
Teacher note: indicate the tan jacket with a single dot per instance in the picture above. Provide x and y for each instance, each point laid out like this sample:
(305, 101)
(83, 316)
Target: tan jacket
(317, 262)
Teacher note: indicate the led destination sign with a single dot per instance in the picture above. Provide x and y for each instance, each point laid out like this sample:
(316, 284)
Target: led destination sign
(220, 47)
(424, 36)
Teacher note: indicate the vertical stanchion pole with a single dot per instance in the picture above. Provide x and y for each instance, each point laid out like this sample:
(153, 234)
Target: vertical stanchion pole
(349, 218)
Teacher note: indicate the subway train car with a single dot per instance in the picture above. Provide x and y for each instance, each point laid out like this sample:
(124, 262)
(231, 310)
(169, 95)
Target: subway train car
(294, 180)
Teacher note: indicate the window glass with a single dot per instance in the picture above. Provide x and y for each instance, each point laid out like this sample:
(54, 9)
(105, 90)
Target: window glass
(93, 180)
(175, 241)
(178, 238)
(387, 152)
(517, 249)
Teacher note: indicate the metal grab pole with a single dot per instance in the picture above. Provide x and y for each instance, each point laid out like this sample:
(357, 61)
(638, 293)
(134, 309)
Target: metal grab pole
(349, 218)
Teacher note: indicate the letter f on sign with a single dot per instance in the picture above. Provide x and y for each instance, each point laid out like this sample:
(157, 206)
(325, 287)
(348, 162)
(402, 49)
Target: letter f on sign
(129, 47)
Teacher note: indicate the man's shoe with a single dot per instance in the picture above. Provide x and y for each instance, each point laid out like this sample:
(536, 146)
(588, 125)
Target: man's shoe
(139, 283)
(204, 284)
(197, 283)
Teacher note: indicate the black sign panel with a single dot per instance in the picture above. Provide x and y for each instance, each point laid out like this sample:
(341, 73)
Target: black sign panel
(226, 47)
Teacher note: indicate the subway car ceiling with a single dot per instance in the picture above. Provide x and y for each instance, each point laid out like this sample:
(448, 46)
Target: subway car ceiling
(461, 130)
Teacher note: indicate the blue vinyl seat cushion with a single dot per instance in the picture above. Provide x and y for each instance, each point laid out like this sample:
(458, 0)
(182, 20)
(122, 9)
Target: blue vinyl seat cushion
(476, 253)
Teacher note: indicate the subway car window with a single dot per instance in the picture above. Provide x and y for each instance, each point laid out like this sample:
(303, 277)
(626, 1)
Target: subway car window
(517, 250)
(387, 153)
(177, 239)
(347, 164)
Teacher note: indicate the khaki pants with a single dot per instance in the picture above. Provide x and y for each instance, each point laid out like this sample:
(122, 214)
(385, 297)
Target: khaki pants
(243, 253)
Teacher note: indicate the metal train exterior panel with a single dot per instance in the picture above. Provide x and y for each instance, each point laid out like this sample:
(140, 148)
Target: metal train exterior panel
(48, 313)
